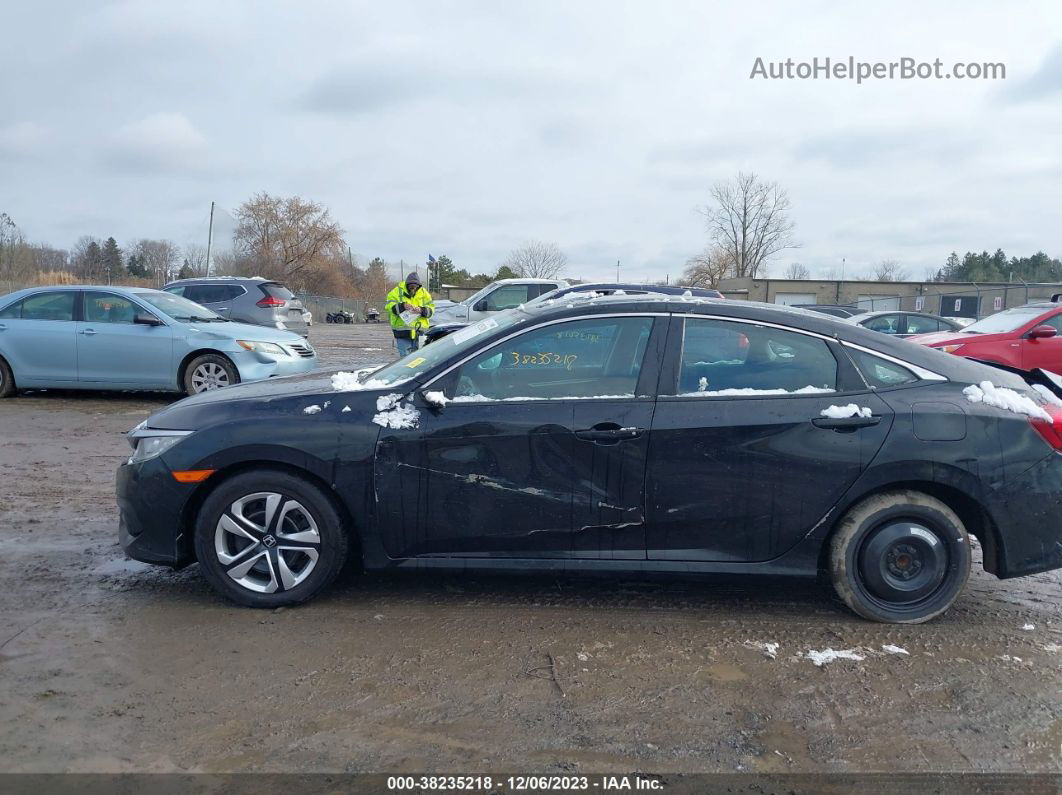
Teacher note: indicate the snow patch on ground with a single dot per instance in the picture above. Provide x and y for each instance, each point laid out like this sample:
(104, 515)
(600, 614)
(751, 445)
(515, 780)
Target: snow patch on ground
(1007, 399)
(315, 409)
(770, 650)
(436, 398)
(844, 412)
(888, 648)
(748, 391)
(821, 658)
(1029, 627)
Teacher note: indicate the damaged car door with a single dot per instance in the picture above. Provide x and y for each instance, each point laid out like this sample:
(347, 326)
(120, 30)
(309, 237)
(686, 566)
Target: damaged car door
(535, 447)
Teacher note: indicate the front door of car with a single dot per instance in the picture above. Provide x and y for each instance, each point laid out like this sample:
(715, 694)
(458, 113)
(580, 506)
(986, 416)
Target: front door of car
(1043, 352)
(37, 336)
(111, 348)
(539, 450)
(745, 458)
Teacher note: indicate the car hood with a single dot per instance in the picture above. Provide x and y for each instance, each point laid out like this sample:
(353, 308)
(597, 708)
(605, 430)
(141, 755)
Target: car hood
(288, 394)
(239, 331)
(953, 338)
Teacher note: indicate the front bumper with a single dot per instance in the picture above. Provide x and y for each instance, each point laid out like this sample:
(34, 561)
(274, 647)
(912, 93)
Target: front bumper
(260, 366)
(151, 504)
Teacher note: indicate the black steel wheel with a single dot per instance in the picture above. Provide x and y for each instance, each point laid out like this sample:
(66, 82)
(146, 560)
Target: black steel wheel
(900, 557)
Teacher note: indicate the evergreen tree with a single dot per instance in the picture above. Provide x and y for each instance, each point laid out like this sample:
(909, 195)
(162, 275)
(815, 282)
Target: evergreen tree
(186, 271)
(111, 257)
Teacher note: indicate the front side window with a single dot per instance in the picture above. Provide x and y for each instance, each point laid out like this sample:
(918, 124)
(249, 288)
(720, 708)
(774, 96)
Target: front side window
(507, 297)
(108, 308)
(722, 358)
(924, 325)
(576, 359)
(49, 306)
(179, 308)
(12, 311)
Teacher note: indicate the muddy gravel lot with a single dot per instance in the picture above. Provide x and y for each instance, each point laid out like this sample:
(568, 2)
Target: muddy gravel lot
(111, 665)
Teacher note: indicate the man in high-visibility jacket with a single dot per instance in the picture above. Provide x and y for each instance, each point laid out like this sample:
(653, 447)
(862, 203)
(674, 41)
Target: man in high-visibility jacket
(409, 307)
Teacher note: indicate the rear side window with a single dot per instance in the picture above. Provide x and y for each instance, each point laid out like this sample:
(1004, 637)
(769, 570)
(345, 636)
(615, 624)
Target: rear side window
(49, 306)
(880, 372)
(276, 290)
(722, 359)
(211, 293)
(924, 325)
(885, 324)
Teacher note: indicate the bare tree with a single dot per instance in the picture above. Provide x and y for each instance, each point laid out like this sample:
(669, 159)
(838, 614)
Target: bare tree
(536, 260)
(796, 271)
(195, 257)
(750, 221)
(286, 238)
(17, 261)
(707, 268)
(160, 257)
(889, 270)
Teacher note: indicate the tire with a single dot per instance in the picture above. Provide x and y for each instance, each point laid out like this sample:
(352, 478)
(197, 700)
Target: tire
(900, 557)
(7, 380)
(232, 539)
(209, 371)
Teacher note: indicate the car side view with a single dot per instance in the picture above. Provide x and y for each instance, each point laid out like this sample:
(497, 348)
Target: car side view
(103, 337)
(904, 324)
(1025, 337)
(622, 434)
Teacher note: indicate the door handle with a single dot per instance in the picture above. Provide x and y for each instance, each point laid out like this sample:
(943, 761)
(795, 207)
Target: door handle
(88, 332)
(609, 433)
(3, 327)
(845, 424)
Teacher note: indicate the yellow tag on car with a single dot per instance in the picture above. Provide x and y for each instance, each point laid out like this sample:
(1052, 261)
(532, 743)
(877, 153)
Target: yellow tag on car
(416, 362)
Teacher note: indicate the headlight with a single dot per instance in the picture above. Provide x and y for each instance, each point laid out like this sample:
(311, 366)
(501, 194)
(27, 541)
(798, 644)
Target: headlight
(951, 348)
(262, 347)
(148, 447)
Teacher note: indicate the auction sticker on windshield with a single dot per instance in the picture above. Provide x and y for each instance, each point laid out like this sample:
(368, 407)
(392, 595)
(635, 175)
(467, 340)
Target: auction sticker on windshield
(473, 331)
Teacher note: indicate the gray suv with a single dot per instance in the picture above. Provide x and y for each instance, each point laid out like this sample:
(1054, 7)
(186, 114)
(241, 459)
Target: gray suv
(245, 300)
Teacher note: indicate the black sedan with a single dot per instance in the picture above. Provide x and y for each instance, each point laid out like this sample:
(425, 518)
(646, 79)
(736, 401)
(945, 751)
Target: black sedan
(625, 434)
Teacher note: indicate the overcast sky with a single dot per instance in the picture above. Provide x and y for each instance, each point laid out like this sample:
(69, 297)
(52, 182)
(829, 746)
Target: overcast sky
(466, 128)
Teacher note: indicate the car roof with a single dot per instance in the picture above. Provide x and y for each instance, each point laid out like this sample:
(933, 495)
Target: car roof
(520, 280)
(877, 312)
(221, 279)
(651, 288)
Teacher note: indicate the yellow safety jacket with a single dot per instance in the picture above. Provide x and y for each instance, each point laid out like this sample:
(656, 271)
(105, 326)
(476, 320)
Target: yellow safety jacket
(421, 299)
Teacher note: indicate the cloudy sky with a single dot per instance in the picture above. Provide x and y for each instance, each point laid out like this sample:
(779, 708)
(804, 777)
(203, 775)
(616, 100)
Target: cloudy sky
(466, 128)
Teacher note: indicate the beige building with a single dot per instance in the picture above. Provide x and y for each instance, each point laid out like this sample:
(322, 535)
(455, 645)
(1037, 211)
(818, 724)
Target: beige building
(951, 299)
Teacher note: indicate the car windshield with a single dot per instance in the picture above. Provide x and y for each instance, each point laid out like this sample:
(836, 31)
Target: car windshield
(424, 359)
(1007, 320)
(180, 309)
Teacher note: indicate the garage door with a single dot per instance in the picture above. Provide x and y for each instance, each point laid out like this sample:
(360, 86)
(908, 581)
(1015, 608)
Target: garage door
(789, 299)
(878, 303)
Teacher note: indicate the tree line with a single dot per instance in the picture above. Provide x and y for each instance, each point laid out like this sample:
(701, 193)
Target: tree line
(289, 239)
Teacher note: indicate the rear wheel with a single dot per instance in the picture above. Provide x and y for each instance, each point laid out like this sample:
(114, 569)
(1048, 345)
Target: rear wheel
(7, 380)
(209, 371)
(900, 557)
(267, 538)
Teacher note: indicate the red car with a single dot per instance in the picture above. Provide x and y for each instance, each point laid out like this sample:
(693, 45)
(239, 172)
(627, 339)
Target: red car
(1025, 337)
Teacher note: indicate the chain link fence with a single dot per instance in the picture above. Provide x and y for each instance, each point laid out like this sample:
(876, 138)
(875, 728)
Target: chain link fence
(323, 305)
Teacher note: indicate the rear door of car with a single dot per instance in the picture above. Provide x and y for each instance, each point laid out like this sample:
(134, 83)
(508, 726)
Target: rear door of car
(745, 455)
(112, 349)
(37, 336)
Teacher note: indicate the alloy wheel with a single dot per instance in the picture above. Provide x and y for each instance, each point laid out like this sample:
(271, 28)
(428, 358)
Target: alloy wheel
(267, 542)
(209, 375)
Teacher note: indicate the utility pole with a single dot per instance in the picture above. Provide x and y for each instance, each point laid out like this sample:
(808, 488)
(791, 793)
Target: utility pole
(617, 271)
(210, 237)
(842, 269)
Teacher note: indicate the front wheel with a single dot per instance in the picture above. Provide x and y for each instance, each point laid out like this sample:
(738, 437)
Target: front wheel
(7, 379)
(207, 372)
(900, 557)
(267, 538)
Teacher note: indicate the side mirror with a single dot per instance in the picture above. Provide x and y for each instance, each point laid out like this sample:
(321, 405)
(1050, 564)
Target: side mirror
(1042, 332)
(480, 305)
(144, 319)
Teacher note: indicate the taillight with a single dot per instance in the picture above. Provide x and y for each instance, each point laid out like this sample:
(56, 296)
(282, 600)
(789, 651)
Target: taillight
(1051, 431)
(271, 301)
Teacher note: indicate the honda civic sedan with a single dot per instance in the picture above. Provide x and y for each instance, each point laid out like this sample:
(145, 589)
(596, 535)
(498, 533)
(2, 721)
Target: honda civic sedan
(85, 337)
(624, 434)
